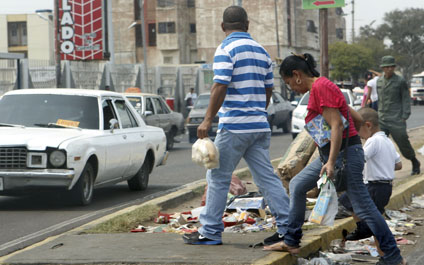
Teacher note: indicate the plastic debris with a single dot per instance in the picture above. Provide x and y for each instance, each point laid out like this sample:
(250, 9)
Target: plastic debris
(421, 150)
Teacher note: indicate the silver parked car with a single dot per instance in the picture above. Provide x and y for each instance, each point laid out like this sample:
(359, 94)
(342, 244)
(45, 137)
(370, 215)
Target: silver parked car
(74, 140)
(196, 116)
(280, 112)
(155, 112)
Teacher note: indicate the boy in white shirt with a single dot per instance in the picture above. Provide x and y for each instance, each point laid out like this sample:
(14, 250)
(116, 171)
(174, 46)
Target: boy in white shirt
(381, 162)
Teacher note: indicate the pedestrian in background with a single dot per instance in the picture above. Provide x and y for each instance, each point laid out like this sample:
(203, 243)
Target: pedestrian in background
(326, 99)
(381, 162)
(395, 108)
(365, 99)
(243, 83)
(190, 97)
(372, 97)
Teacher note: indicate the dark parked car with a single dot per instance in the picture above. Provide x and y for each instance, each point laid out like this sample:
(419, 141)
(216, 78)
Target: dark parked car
(279, 115)
(196, 116)
(280, 112)
(155, 112)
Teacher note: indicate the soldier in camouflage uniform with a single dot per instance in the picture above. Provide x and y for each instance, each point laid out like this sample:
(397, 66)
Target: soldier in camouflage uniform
(394, 108)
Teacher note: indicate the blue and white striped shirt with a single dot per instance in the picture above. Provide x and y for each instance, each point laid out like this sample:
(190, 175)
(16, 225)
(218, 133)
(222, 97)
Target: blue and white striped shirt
(246, 67)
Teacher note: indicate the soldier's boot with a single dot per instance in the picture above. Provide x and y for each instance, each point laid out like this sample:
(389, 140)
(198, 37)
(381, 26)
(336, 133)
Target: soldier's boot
(415, 166)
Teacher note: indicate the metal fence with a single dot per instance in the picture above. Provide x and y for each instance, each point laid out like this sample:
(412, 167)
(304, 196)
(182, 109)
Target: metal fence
(8, 77)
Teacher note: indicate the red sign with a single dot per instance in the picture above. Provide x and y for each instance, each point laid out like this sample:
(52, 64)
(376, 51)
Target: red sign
(81, 29)
(319, 3)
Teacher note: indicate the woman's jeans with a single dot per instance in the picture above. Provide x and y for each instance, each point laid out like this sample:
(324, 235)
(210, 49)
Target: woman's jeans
(358, 194)
(254, 148)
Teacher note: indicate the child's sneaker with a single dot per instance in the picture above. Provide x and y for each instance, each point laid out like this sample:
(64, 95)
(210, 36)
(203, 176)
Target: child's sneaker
(197, 239)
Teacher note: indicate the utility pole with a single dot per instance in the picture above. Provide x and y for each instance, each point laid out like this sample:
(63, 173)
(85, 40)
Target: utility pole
(353, 21)
(143, 36)
(276, 29)
(58, 74)
(323, 23)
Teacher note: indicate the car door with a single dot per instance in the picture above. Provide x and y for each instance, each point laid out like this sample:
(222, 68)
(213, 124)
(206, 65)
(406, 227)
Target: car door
(115, 142)
(134, 145)
(163, 113)
(150, 116)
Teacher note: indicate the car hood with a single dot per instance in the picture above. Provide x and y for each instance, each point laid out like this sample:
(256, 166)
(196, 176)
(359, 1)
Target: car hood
(197, 113)
(36, 138)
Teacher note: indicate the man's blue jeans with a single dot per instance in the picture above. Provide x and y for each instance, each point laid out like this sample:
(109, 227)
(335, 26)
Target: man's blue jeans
(358, 194)
(254, 148)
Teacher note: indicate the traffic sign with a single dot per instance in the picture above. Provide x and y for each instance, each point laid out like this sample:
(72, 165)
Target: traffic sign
(317, 4)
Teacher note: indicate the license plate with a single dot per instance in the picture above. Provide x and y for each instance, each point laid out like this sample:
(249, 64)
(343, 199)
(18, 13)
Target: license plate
(1, 184)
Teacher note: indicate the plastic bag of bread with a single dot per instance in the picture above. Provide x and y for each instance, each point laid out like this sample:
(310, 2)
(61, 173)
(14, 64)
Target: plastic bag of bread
(205, 153)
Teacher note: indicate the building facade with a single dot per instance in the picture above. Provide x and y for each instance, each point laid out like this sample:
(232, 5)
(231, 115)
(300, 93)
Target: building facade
(188, 31)
(30, 34)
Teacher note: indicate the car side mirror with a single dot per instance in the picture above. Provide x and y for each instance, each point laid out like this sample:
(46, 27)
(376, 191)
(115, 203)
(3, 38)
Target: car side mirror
(113, 124)
(148, 112)
(294, 103)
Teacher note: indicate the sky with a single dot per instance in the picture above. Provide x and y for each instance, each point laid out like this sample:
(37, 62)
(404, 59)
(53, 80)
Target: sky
(366, 11)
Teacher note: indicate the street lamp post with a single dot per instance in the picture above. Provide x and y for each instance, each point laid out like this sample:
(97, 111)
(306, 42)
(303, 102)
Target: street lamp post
(58, 74)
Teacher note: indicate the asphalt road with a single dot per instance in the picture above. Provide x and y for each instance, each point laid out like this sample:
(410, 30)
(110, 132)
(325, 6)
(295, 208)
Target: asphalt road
(26, 220)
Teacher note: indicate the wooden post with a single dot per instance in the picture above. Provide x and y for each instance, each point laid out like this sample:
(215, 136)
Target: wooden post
(323, 25)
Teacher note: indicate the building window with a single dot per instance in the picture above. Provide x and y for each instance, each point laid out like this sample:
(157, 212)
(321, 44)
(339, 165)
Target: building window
(192, 28)
(339, 33)
(310, 26)
(17, 33)
(166, 27)
(167, 60)
(190, 3)
(152, 34)
(165, 3)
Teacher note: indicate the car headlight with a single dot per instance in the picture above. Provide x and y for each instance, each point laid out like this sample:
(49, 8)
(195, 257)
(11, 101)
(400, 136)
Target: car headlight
(57, 158)
(196, 120)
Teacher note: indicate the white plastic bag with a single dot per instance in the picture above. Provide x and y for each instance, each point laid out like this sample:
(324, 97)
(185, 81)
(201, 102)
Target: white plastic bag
(205, 153)
(326, 207)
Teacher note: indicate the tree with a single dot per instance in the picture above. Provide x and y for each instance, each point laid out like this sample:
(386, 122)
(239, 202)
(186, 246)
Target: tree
(349, 61)
(404, 30)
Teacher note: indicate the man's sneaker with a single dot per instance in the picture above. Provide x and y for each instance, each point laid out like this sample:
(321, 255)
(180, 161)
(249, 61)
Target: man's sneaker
(197, 239)
(275, 238)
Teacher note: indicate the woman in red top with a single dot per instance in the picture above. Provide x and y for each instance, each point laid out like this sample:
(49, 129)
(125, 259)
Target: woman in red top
(326, 99)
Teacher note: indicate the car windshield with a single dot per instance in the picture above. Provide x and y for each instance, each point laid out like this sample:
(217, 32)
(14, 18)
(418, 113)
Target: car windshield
(346, 97)
(45, 110)
(135, 101)
(417, 81)
(202, 102)
(305, 99)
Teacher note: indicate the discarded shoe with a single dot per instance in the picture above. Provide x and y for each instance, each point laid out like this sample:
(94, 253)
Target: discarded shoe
(281, 246)
(197, 239)
(415, 167)
(360, 232)
(275, 238)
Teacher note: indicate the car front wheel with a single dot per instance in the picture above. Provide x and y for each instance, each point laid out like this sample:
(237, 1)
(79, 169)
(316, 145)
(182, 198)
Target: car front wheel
(141, 179)
(170, 139)
(82, 192)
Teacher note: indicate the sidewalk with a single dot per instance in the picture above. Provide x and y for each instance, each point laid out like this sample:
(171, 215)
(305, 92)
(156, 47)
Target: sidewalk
(76, 247)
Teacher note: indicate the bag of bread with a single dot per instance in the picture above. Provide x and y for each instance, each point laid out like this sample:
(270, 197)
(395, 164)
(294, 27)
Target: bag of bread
(205, 153)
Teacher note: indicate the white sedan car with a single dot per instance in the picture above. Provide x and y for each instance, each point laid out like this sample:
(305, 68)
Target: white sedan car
(74, 140)
(299, 113)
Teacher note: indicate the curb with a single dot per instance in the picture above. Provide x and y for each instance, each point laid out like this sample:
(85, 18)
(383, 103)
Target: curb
(320, 238)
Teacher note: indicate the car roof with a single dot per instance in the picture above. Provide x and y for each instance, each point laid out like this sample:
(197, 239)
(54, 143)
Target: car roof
(64, 91)
(140, 94)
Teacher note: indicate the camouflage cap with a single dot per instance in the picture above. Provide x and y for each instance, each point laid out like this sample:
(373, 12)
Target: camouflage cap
(387, 60)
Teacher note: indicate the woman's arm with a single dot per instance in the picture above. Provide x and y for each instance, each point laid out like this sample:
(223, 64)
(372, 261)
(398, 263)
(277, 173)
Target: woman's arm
(332, 117)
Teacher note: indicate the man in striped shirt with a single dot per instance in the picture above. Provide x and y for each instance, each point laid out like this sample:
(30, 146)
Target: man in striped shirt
(243, 83)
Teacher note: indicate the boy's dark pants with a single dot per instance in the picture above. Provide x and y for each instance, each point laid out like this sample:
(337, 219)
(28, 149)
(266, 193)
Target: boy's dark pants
(380, 192)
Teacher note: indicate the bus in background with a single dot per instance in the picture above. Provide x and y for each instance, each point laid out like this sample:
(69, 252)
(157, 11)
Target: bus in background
(417, 89)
